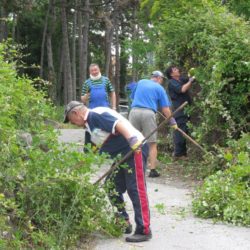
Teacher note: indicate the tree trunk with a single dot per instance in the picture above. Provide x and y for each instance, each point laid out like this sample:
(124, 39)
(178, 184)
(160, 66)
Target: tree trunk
(117, 64)
(80, 51)
(123, 60)
(134, 58)
(108, 42)
(44, 40)
(74, 53)
(51, 70)
(85, 40)
(60, 82)
(3, 24)
(14, 27)
(68, 88)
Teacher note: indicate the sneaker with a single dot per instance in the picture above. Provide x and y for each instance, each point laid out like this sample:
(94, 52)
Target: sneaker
(136, 237)
(153, 173)
(128, 229)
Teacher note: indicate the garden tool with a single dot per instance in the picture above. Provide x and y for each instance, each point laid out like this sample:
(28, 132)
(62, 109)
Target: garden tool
(125, 157)
(187, 136)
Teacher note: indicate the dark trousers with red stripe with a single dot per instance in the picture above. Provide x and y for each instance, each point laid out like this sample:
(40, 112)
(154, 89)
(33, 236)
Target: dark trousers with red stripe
(132, 180)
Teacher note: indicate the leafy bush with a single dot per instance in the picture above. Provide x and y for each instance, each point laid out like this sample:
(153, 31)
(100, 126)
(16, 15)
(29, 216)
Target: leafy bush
(226, 194)
(47, 199)
(206, 36)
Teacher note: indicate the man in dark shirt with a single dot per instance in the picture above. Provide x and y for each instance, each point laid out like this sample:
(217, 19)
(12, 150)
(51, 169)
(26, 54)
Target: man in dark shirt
(113, 134)
(178, 88)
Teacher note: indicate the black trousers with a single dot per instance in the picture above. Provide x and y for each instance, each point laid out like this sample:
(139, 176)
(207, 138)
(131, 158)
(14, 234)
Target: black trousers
(132, 180)
(180, 147)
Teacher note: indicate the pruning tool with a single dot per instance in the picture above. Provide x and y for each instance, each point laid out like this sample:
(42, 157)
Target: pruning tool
(125, 157)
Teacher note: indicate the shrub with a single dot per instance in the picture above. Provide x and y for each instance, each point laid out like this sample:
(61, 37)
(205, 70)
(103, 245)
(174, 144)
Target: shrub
(47, 199)
(206, 36)
(226, 194)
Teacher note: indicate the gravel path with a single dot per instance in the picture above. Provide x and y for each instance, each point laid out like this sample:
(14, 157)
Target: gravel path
(173, 225)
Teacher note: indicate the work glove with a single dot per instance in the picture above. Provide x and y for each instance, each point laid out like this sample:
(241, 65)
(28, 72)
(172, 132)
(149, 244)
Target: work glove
(192, 79)
(134, 143)
(173, 123)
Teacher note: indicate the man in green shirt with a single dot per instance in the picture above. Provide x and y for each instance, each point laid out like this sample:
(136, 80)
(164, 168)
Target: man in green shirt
(97, 90)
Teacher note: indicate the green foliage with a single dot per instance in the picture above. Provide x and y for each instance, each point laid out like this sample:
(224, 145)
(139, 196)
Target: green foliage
(161, 208)
(206, 36)
(226, 194)
(47, 199)
(239, 7)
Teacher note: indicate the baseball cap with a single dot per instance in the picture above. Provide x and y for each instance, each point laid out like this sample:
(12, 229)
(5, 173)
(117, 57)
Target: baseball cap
(157, 73)
(69, 107)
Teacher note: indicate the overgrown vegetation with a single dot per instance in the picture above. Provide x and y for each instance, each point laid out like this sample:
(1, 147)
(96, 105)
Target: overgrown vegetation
(208, 37)
(46, 197)
(226, 194)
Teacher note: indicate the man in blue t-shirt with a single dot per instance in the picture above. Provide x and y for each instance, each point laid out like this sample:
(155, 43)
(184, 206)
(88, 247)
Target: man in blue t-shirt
(129, 89)
(114, 134)
(148, 97)
(179, 93)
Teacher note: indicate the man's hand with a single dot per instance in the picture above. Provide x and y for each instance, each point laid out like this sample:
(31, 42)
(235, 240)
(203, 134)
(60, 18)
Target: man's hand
(134, 143)
(174, 126)
(173, 123)
(192, 79)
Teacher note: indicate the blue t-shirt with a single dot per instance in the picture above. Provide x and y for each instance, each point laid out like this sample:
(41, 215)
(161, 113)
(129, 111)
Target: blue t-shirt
(150, 94)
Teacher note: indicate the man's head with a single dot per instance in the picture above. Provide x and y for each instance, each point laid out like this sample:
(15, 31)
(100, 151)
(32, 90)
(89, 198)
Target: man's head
(74, 113)
(157, 76)
(94, 71)
(173, 72)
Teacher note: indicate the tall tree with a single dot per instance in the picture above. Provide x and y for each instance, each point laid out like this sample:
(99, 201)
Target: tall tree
(3, 22)
(44, 38)
(68, 87)
(51, 69)
(73, 45)
(117, 63)
(85, 34)
(109, 29)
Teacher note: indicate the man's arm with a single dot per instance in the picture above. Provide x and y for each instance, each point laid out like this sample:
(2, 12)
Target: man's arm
(133, 141)
(85, 98)
(166, 111)
(122, 129)
(85, 93)
(185, 87)
(113, 99)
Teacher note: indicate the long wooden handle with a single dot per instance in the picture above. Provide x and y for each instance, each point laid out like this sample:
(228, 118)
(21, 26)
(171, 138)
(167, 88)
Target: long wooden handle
(187, 136)
(192, 140)
(125, 157)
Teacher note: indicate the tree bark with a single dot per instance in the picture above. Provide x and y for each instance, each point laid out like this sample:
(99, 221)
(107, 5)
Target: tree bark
(117, 64)
(51, 70)
(123, 60)
(60, 82)
(44, 40)
(108, 43)
(68, 89)
(85, 41)
(134, 58)
(74, 53)
(80, 51)
(3, 24)
(13, 32)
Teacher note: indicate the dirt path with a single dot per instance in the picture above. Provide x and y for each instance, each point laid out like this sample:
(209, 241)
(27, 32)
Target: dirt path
(173, 225)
